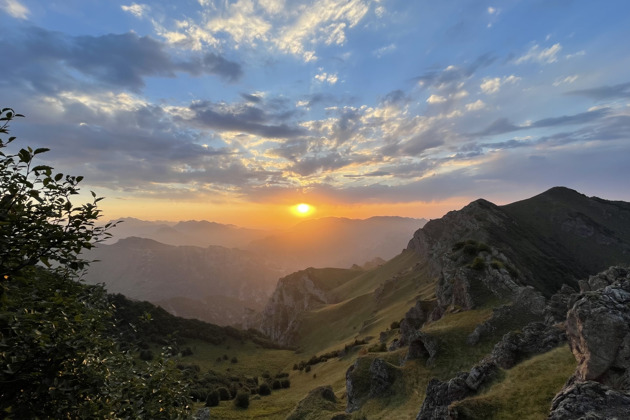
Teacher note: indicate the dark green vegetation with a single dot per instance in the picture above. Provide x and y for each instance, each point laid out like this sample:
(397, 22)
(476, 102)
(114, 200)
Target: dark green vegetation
(57, 359)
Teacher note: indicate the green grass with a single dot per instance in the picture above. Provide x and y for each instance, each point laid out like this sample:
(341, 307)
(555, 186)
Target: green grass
(526, 390)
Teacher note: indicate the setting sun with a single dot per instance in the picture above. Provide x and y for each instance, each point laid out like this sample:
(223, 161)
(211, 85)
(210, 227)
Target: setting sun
(302, 209)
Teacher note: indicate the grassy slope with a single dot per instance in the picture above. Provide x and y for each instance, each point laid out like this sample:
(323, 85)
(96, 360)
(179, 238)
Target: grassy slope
(525, 391)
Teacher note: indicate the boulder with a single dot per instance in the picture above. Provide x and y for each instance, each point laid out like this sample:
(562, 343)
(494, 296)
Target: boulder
(367, 379)
(421, 346)
(598, 330)
(535, 338)
(440, 395)
(590, 401)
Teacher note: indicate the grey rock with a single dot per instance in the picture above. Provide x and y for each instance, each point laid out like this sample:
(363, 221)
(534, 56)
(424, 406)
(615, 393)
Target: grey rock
(590, 401)
(202, 414)
(367, 379)
(440, 395)
(421, 346)
(598, 329)
(535, 338)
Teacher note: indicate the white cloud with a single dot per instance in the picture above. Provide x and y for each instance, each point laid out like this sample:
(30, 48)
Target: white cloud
(436, 99)
(492, 10)
(138, 10)
(544, 56)
(384, 50)
(493, 85)
(475, 106)
(324, 77)
(565, 80)
(15, 9)
(294, 28)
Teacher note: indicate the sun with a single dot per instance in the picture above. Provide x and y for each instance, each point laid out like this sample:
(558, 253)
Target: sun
(302, 209)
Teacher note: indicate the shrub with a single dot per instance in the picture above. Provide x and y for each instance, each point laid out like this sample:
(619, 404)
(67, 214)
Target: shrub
(307, 368)
(242, 399)
(470, 249)
(276, 384)
(496, 264)
(264, 389)
(213, 398)
(395, 325)
(285, 383)
(146, 355)
(224, 394)
(234, 360)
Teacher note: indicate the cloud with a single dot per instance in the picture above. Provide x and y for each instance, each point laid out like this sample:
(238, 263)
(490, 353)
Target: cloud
(50, 61)
(324, 77)
(436, 99)
(493, 85)
(620, 91)
(384, 50)
(138, 10)
(503, 125)
(450, 78)
(565, 80)
(241, 118)
(475, 106)
(15, 9)
(295, 28)
(544, 56)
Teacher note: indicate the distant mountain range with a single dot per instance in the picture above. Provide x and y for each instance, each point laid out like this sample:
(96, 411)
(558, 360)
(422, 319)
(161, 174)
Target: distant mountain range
(223, 273)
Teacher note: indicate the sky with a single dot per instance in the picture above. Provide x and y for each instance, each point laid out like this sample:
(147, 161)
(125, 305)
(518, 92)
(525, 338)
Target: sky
(236, 111)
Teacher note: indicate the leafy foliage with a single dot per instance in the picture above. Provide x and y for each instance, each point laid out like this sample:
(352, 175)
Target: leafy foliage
(38, 222)
(58, 358)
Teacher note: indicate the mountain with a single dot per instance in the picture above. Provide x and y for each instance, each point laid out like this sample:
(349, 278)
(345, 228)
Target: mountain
(185, 278)
(470, 320)
(192, 232)
(337, 242)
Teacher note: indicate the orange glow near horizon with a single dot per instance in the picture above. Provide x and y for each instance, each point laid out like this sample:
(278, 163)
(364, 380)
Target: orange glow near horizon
(279, 214)
(303, 210)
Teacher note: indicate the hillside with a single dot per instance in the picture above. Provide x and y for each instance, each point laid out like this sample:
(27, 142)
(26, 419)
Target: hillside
(484, 290)
(185, 278)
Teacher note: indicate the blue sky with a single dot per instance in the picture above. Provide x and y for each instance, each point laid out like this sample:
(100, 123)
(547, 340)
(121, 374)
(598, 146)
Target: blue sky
(232, 110)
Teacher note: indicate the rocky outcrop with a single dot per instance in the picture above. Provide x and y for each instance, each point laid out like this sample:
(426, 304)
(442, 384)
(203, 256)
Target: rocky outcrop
(294, 295)
(421, 346)
(598, 330)
(440, 395)
(535, 338)
(590, 401)
(528, 306)
(367, 379)
(317, 402)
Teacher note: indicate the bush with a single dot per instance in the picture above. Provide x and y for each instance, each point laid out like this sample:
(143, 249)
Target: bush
(285, 383)
(234, 360)
(242, 399)
(264, 389)
(276, 384)
(224, 394)
(213, 398)
(394, 325)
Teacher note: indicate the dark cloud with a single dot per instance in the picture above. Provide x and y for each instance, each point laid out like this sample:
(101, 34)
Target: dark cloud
(503, 125)
(251, 98)
(50, 61)
(242, 118)
(620, 91)
(449, 77)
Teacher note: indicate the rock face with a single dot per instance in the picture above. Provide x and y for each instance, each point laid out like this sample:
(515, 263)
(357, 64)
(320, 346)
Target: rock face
(441, 394)
(590, 401)
(367, 379)
(535, 338)
(598, 330)
(318, 401)
(294, 295)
